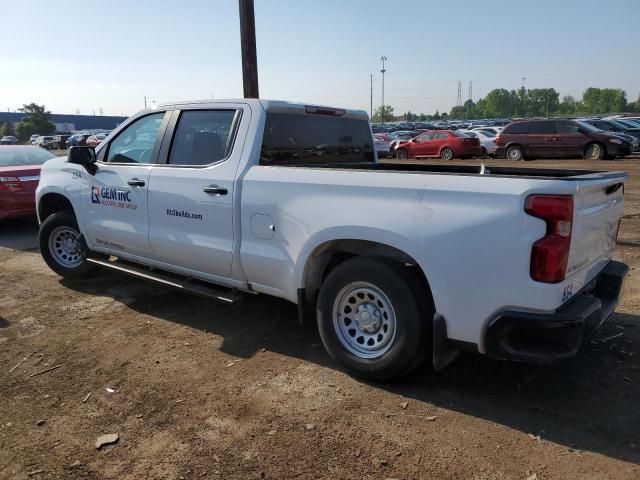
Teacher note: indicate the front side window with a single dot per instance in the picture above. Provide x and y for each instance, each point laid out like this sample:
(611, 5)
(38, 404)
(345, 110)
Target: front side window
(424, 137)
(135, 143)
(301, 139)
(202, 137)
(568, 127)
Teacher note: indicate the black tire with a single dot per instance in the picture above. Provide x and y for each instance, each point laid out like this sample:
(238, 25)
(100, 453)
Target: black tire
(595, 151)
(409, 344)
(402, 154)
(446, 153)
(483, 152)
(65, 221)
(515, 153)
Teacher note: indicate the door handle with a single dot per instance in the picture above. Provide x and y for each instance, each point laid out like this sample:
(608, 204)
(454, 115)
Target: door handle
(136, 182)
(215, 190)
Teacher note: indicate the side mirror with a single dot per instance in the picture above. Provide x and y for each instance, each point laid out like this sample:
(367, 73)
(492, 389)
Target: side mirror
(82, 156)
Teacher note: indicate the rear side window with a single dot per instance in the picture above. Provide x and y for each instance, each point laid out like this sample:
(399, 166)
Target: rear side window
(202, 137)
(531, 128)
(298, 139)
(516, 128)
(463, 134)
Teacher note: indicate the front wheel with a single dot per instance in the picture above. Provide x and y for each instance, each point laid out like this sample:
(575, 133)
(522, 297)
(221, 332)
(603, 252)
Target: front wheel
(595, 151)
(63, 247)
(402, 154)
(371, 321)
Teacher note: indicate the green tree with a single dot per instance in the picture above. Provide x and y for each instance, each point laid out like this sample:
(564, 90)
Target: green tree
(435, 116)
(35, 120)
(7, 129)
(383, 113)
(410, 117)
(604, 100)
(542, 102)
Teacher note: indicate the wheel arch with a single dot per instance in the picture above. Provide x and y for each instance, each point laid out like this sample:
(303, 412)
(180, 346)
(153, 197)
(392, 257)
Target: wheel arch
(53, 202)
(331, 253)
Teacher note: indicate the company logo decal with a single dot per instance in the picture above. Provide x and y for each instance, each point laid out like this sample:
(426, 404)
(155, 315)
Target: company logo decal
(112, 197)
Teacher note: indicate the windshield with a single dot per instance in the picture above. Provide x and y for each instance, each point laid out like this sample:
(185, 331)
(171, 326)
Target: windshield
(587, 126)
(22, 156)
(626, 123)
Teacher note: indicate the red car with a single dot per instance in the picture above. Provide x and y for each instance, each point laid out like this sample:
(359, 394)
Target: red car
(19, 176)
(445, 144)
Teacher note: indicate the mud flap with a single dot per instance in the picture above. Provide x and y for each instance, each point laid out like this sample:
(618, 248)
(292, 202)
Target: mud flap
(443, 352)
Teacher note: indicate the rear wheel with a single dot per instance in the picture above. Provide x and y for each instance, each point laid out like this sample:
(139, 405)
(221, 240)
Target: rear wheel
(402, 154)
(371, 321)
(515, 153)
(63, 247)
(594, 151)
(483, 152)
(446, 153)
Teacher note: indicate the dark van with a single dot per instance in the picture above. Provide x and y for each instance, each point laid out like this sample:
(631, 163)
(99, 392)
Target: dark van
(527, 140)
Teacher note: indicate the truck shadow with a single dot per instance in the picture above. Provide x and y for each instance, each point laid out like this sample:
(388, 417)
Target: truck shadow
(19, 234)
(588, 404)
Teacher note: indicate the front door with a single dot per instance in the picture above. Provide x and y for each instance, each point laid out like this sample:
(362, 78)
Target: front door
(571, 142)
(191, 192)
(115, 198)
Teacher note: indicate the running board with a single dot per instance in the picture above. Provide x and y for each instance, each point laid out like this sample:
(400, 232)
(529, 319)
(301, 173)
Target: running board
(217, 293)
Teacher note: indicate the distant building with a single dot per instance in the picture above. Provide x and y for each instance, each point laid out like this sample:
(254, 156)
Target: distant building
(69, 123)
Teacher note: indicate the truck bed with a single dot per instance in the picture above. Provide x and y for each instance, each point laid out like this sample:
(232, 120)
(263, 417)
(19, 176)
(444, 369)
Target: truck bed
(467, 170)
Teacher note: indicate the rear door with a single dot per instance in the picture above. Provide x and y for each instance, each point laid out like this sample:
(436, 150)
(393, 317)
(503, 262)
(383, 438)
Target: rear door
(115, 198)
(191, 190)
(543, 139)
(438, 139)
(571, 142)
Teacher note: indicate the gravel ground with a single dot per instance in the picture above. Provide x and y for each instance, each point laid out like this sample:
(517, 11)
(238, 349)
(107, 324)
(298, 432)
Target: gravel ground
(203, 390)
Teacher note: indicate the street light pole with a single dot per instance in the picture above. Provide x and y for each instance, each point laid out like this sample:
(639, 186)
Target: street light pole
(371, 102)
(383, 59)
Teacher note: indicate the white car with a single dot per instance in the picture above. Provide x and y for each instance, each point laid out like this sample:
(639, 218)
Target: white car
(396, 262)
(487, 141)
(495, 130)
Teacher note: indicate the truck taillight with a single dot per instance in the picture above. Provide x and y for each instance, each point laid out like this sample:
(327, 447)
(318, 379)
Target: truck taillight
(550, 254)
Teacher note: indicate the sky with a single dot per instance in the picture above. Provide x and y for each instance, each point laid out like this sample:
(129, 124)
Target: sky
(107, 55)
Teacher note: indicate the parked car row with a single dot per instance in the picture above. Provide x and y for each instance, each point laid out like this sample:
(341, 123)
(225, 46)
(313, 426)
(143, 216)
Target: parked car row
(591, 138)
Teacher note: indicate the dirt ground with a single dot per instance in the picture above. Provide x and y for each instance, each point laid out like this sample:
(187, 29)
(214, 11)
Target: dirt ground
(209, 391)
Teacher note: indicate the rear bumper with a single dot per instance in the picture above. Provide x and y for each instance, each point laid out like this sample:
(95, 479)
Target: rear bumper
(546, 338)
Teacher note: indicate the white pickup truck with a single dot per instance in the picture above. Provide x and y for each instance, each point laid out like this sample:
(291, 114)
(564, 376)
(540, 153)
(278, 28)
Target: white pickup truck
(397, 262)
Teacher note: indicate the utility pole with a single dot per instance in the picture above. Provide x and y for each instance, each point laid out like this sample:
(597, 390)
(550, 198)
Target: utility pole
(248, 46)
(523, 79)
(459, 100)
(383, 59)
(145, 102)
(371, 101)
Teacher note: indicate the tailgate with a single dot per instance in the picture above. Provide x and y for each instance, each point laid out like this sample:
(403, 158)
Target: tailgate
(598, 206)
